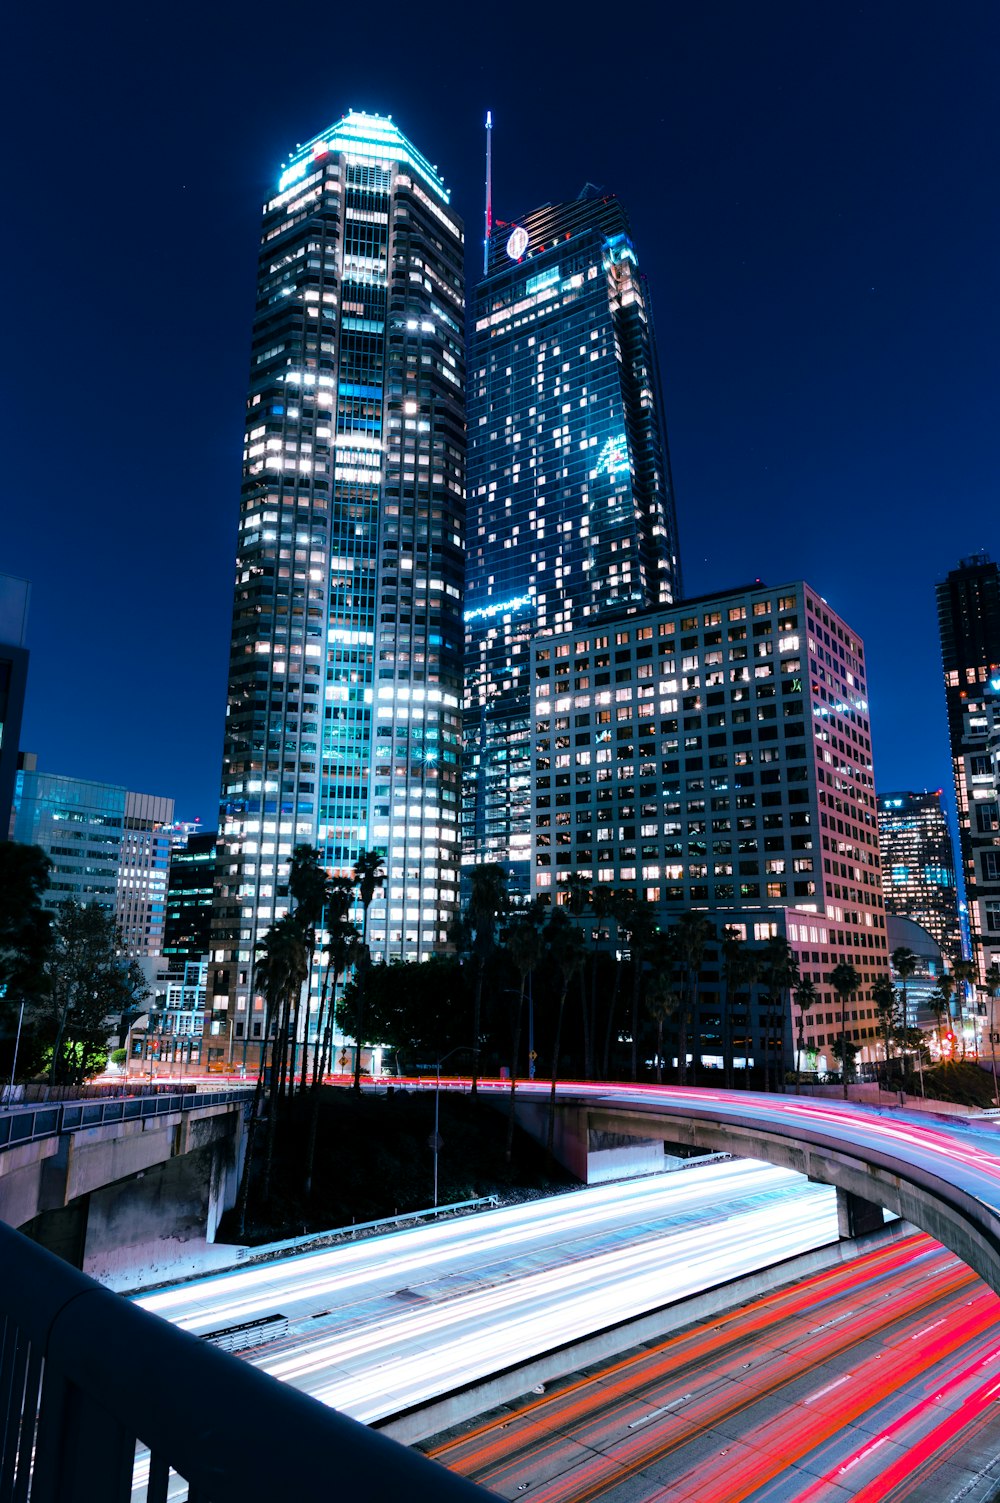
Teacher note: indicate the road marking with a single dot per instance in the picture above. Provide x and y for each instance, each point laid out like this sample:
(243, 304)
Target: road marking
(926, 1329)
(828, 1323)
(862, 1454)
(828, 1389)
(655, 1413)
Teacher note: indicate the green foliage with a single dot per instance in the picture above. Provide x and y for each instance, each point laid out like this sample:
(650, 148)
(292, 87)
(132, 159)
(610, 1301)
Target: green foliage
(90, 985)
(25, 934)
(118, 1057)
(960, 1081)
(416, 1009)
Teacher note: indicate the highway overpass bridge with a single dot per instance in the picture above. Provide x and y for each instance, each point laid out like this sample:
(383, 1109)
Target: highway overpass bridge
(125, 1188)
(940, 1173)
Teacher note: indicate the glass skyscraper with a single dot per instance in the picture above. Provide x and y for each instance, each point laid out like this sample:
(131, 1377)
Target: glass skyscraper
(570, 501)
(968, 602)
(343, 726)
(918, 865)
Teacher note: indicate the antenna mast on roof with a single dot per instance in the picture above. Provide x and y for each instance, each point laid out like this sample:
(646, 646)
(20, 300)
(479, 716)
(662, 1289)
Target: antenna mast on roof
(489, 191)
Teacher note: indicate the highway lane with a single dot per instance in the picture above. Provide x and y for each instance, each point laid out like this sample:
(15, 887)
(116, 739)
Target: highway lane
(877, 1381)
(385, 1324)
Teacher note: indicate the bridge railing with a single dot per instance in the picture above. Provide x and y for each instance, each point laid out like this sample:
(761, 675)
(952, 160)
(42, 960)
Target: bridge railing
(27, 1124)
(78, 1424)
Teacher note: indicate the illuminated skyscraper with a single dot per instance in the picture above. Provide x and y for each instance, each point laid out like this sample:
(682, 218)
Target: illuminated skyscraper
(918, 865)
(969, 619)
(570, 502)
(345, 675)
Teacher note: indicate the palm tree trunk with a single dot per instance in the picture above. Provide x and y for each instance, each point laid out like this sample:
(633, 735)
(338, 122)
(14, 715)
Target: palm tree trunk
(509, 1148)
(612, 1009)
(555, 1074)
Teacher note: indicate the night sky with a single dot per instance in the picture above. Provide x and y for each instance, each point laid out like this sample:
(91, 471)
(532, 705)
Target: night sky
(813, 191)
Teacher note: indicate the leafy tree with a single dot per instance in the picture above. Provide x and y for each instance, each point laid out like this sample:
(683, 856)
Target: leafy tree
(845, 1051)
(90, 984)
(25, 931)
(369, 875)
(845, 981)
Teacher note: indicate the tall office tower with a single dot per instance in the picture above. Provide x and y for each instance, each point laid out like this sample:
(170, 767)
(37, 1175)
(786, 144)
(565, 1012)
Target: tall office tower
(570, 501)
(968, 603)
(14, 595)
(717, 755)
(918, 865)
(345, 676)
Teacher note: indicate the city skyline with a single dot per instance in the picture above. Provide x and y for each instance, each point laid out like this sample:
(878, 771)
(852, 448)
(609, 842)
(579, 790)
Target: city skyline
(816, 234)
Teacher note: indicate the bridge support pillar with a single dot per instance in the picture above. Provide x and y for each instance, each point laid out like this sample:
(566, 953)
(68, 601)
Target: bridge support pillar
(857, 1217)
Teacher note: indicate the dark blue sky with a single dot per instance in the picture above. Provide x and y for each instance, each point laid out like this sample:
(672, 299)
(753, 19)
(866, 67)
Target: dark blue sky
(813, 193)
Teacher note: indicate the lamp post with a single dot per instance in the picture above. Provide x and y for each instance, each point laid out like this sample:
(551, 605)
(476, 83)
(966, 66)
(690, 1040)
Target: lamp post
(436, 1137)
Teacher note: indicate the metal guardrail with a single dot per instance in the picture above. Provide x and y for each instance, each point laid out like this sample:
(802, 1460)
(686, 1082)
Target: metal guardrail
(72, 1412)
(27, 1124)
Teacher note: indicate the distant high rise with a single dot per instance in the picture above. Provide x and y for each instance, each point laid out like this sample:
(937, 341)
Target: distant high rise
(918, 865)
(570, 501)
(968, 602)
(345, 678)
(14, 595)
(189, 899)
(107, 846)
(716, 755)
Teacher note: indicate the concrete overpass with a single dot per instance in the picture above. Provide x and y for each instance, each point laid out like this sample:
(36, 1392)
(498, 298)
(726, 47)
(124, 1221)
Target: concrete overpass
(125, 1187)
(940, 1173)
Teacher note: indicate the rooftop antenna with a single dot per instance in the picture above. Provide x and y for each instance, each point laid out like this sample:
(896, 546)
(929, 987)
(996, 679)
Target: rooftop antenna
(489, 191)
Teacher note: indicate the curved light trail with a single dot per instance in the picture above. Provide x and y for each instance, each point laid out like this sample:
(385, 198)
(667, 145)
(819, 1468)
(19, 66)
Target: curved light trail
(862, 1382)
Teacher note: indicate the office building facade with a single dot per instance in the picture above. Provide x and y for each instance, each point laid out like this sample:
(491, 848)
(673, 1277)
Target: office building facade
(343, 723)
(187, 930)
(968, 603)
(107, 846)
(570, 501)
(919, 881)
(717, 756)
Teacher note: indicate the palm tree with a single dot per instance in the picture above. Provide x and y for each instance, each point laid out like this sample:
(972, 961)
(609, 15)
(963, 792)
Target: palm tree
(991, 985)
(577, 900)
(638, 918)
(904, 963)
(748, 969)
(278, 973)
(691, 934)
(845, 981)
(662, 996)
(732, 953)
(940, 1001)
(781, 977)
(963, 972)
(806, 997)
(602, 900)
(369, 875)
(525, 946)
(564, 943)
(487, 898)
(884, 997)
(307, 887)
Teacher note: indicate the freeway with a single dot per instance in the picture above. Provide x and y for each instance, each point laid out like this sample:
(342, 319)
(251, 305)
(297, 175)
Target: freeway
(941, 1173)
(382, 1325)
(877, 1381)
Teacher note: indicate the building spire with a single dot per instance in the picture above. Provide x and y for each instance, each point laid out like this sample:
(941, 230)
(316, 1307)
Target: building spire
(489, 191)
